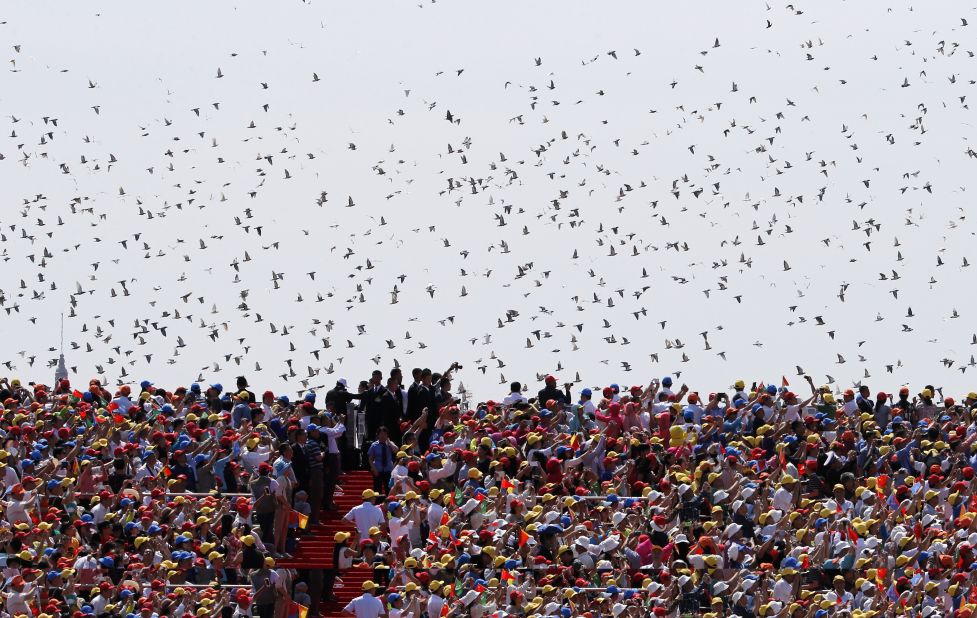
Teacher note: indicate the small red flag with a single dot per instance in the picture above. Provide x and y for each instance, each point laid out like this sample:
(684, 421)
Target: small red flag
(523, 538)
(783, 381)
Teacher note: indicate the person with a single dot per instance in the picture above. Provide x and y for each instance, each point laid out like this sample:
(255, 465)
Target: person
(264, 582)
(391, 408)
(551, 392)
(316, 462)
(381, 455)
(515, 395)
(265, 490)
(333, 431)
(366, 515)
(366, 605)
(372, 405)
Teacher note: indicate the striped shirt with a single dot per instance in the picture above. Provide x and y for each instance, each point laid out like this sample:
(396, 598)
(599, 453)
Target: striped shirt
(313, 452)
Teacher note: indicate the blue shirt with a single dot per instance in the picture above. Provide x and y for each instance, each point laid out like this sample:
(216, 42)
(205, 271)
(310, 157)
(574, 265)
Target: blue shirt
(382, 456)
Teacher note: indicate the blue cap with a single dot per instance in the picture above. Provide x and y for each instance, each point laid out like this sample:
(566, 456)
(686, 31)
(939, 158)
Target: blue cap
(613, 590)
(566, 612)
(195, 387)
(87, 609)
(771, 389)
(125, 593)
(26, 462)
(283, 399)
(821, 613)
(52, 484)
(510, 564)
(586, 392)
(52, 575)
(310, 396)
(125, 502)
(432, 456)
(108, 562)
(393, 506)
(667, 380)
(199, 458)
(145, 384)
(393, 597)
(87, 396)
(129, 526)
(180, 539)
(312, 427)
(153, 528)
(166, 409)
(756, 407)
(217, 387)
(615, 388)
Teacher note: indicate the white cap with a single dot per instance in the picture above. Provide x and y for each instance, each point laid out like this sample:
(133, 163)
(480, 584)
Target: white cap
(618, 609)
(342, 381)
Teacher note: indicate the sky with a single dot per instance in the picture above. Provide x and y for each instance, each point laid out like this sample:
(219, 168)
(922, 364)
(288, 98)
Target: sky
(708, 190)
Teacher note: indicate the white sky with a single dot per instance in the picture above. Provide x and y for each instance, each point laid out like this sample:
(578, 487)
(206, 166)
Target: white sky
(829, 113)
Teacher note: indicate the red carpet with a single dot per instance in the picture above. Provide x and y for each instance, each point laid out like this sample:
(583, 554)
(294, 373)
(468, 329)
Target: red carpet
(315, 551)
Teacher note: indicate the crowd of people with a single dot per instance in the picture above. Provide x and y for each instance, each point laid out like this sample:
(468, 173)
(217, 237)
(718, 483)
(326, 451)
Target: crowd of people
(635, 500)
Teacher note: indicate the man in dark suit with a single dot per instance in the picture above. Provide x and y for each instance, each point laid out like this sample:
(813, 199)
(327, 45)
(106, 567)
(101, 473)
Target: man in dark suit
(372, 400)
(418, 399)
(392, 409)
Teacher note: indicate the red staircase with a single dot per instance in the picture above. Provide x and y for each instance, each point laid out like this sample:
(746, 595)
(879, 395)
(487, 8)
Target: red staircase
(315, 550)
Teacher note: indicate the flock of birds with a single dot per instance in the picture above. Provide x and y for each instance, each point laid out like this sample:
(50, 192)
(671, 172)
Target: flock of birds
(601, 222)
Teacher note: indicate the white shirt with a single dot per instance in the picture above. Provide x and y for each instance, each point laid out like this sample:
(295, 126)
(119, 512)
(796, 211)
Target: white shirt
(365, 606)
(331, 434)
(251, 459)
(513, 398)
(398, 529)
(146, 470)
(17, 601)
(434, 514)
(436, 474)
(124, 403)
(782, 590)
(782, 499)
(434, 605)
(365, 516)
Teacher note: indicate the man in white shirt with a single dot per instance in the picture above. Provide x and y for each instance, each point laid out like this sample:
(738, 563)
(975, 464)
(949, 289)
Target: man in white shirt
(587, 405)
(515, 395)
(783, 498)
(366, 605)
(366, 515)
(123, 400)
(332, 430)
(443, 471)
(151, 467)
(18, 597)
